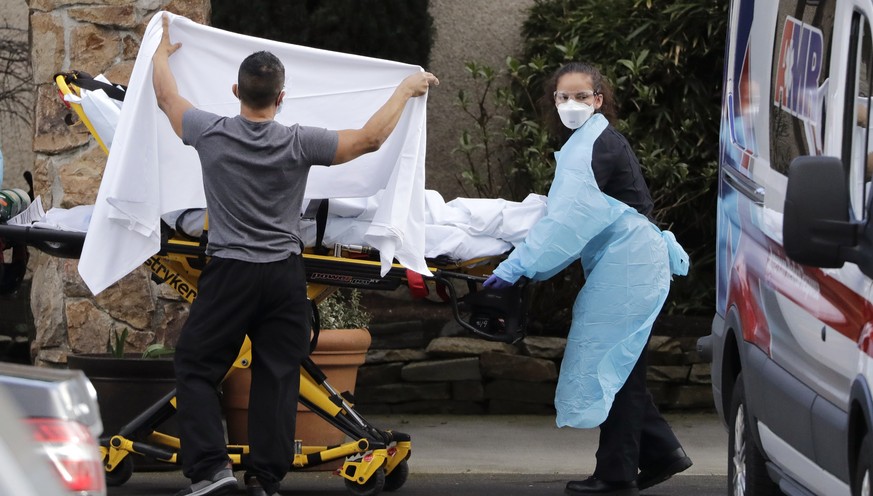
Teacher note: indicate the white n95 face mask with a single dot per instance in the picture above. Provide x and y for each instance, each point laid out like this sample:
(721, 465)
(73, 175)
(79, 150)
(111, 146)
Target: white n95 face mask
(573, 114)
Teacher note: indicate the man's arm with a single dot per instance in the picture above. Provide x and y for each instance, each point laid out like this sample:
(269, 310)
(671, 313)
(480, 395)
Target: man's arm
(169, 100)
(355, 142)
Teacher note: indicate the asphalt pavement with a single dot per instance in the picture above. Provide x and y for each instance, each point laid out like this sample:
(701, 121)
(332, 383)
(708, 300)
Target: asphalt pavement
(496, 455)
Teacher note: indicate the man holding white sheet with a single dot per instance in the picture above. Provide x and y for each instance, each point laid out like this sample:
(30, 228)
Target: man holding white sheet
(254, 174)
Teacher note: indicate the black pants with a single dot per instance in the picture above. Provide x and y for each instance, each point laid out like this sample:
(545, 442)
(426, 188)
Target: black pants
(634, 435)
(268, 302)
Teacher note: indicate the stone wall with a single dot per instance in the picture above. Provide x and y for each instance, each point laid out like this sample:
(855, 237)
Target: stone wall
(421, 362)
(94, 36)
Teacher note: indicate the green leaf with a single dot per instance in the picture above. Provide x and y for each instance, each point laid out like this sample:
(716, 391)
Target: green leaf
(343, 310)
(627, 63)
(157, 350)
(117, 349)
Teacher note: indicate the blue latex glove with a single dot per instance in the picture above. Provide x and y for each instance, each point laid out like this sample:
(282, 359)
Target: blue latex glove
(495, 282)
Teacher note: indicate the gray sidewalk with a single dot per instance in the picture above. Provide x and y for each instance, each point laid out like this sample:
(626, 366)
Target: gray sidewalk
(495, 455)
(531, 444)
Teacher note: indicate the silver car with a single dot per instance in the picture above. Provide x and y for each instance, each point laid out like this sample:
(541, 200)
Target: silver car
(49, 426)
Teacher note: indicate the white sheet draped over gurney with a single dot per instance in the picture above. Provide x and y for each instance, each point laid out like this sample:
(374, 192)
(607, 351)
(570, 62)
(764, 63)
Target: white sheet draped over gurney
(461, 229)
(150, 172)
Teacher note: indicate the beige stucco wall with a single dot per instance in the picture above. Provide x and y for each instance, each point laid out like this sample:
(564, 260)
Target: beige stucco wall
(15, 134)
(484, 31)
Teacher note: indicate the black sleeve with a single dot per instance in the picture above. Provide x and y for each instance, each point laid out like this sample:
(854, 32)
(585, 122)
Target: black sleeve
(605, 158)
(618, 172)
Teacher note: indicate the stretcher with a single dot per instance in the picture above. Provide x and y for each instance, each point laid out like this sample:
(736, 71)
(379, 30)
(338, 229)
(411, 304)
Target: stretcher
(373, 459)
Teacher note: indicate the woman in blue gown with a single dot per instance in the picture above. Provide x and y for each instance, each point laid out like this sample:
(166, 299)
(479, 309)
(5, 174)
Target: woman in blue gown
(628, 264)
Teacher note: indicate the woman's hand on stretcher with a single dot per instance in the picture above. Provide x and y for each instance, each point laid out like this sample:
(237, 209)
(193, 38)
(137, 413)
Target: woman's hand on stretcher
(495, 282)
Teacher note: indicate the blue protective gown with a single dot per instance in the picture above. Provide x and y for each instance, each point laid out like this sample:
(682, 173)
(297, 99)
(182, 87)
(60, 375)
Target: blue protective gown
(628, 263)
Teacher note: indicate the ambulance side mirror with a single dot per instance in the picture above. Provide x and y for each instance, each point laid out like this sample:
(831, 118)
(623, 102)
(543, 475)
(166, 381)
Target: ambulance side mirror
(817, 229)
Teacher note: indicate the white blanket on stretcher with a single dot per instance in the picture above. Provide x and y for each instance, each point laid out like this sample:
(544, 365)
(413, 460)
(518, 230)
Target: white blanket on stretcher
(462, 229)
(150, 172)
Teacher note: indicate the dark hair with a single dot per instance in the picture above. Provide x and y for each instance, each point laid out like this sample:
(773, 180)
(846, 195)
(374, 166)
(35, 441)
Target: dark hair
(260, 80)
(547, 102)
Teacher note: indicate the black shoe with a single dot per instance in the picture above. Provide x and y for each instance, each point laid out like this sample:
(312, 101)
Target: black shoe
(254, 487)
(672, 464)
(223, 482)
(593, 485)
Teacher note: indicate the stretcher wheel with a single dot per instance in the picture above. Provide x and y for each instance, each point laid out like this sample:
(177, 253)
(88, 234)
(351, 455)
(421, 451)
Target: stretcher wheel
(372, 487)
(397, 477)
(121, 473)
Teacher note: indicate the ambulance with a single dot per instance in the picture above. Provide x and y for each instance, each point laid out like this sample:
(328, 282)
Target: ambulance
(791, 339)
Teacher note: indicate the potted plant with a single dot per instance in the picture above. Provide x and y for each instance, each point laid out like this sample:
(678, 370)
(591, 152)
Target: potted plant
(342, 347)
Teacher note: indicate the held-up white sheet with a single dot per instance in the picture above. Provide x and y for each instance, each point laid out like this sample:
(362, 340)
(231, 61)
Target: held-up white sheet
(150, 172)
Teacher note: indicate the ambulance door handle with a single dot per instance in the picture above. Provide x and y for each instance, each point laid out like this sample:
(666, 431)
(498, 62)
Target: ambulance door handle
(744, 185)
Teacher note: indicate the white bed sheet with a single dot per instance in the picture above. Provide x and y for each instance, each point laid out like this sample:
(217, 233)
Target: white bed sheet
(461, 229)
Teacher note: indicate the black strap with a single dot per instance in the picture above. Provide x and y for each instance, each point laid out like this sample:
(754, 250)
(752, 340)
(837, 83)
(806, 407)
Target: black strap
(28, 178)
(315, 323)
(86, 82)
(321, 223)
(321, 210)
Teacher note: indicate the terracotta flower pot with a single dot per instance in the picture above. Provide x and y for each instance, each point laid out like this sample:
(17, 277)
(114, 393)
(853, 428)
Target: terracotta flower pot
(339, 354)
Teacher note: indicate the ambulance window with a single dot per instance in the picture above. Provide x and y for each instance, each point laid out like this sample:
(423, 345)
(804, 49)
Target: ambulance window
(858, 155)
(802, 48)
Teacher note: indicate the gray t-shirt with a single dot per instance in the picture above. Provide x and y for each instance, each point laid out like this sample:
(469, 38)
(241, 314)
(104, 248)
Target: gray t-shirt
(254, 176)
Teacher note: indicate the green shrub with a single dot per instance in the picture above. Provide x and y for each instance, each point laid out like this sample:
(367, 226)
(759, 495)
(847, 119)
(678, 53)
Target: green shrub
(399, 30)
(343, 310)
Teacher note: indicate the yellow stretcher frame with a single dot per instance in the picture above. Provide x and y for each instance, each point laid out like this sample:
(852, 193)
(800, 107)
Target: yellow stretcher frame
(66, 89)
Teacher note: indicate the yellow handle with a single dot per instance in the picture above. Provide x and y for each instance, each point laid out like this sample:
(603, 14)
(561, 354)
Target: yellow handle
(66, 90)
